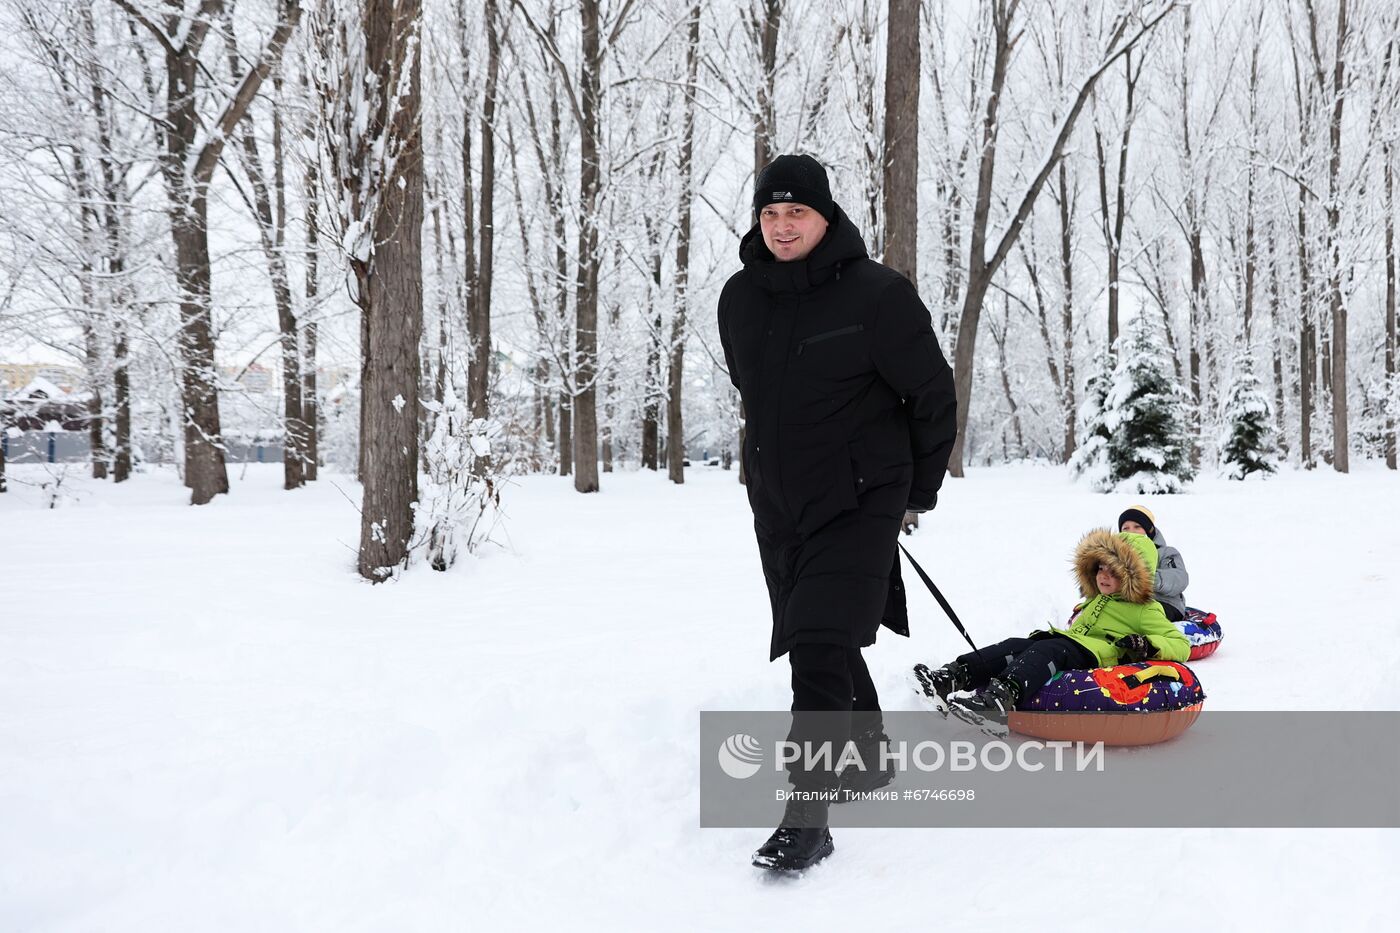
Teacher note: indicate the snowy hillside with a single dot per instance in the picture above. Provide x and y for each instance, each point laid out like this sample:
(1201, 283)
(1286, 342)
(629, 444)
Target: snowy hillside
(211, 723)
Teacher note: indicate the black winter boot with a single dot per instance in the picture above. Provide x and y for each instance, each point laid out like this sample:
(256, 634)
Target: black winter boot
(999, 696)
(869, 744)
(801, 841)
(943, 682)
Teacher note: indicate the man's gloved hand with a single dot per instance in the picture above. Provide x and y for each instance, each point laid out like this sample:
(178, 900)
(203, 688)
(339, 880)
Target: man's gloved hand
(1135, 648)
(913, 510)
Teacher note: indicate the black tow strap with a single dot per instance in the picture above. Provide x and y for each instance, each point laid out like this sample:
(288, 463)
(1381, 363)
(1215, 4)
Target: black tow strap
(937, 595)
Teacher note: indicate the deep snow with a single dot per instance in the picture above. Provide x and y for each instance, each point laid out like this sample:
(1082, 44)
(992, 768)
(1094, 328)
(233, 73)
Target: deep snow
(209, 722)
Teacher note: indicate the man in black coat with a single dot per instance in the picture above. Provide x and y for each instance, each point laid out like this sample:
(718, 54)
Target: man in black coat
(851, 419)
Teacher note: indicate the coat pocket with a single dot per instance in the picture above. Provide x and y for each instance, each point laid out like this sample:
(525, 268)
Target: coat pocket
(835, 494)
(828, 335)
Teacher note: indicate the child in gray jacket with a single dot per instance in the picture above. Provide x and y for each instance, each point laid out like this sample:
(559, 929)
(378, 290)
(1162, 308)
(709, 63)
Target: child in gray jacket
(1169, 588)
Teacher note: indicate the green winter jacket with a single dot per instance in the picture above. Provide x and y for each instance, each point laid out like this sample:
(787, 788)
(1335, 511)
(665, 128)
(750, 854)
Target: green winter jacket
(1101, 619)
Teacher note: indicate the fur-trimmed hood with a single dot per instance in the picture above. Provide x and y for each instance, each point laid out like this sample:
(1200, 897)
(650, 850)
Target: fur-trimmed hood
(1131, 557)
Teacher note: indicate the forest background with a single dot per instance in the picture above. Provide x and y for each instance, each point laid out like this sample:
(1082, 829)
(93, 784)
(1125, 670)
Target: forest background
(488, 237)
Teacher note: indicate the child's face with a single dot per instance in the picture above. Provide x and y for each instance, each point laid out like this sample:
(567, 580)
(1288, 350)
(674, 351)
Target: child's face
(1108, 584)
(1134, 527)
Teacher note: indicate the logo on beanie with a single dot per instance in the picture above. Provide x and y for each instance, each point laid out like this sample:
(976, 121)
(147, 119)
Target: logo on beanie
(740, 756)
(782, 195)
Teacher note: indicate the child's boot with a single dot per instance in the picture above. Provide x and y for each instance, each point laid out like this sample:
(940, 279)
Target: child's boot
(940, 683)
(999, 696)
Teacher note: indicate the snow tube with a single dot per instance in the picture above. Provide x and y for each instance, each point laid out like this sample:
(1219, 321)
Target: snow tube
(1131, 704)
(1202, 630)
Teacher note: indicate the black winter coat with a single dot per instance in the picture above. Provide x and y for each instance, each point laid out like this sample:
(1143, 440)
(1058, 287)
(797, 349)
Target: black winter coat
(851, 418)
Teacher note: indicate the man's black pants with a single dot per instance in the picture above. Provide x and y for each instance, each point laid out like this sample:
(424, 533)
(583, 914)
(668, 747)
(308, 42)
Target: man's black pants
(832, 683)
(1030, 662)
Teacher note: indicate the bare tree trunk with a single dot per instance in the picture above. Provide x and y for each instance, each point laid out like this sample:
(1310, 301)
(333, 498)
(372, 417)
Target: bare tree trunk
(675, 420)
(1198, 297)
(1391, 437)
(4, 486)
(566, 434)
(1307, 356)
(205, 473)
(121, 385)
(1341, 438)
(609, 383)
(901, 158)
(478, 370)
(440, 351)
(392, 293)
(654, 381)
(566, 397)
(585, 417)
(97, 440)
(1113, 228)
(1160, 296)
(116, 199)
(561, 273)
(92, 354)
(1067, 394)
(362, 461)
(1195, 324)
(1004, 367)
(764, 25)
(949, 199)
(1279, 389)
(546, 411)
(310, 404)
(1250, 262)
(651, 408)
(479, 312)
(294, 454)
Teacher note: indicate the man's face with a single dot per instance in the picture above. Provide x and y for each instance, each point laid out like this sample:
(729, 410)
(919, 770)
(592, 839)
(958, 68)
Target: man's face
(1133, 527)
(791, 231)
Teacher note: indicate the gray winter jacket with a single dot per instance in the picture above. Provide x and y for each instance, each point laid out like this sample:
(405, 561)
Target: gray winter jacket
(1169, 588)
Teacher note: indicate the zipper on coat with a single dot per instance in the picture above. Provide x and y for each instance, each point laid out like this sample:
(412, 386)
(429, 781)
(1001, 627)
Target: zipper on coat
(839, 332)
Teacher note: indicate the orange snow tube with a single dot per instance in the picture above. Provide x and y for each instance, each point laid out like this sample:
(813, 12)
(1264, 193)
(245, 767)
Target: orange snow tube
(1131, 704)
(1108, 728)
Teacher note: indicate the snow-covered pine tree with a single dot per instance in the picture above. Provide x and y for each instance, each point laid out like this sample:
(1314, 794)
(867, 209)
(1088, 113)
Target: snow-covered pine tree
(1090, 458)
(1145, 414)
(1247, 445)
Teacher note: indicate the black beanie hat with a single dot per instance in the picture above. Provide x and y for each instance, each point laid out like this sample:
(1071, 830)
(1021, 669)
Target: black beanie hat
(797, 178)
(1140, 515)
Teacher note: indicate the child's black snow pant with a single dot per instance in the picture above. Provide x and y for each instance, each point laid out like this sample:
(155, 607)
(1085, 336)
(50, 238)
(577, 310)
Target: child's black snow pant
(1029, 662)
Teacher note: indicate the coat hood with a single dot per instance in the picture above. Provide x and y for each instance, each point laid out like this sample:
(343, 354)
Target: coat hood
(1131, 557)
(841, 244)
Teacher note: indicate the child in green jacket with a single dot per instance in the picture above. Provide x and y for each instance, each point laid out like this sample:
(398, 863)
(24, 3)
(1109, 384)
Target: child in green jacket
(1117, 622)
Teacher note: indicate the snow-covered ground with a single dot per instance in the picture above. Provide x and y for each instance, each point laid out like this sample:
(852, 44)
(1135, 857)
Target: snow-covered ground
(207, 722)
